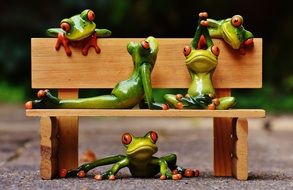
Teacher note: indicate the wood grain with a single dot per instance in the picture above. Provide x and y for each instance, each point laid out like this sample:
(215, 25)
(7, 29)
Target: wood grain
(249, 113)
(240, 148)
(49, 147)
(222, 141)
(53, 69)
(68, 135)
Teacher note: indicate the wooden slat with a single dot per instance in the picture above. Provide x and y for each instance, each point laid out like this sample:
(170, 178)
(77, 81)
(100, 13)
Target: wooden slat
(53, 69)
(249, 113)
(240, 149)
(68, 135)
(49, 147)
(222, 141)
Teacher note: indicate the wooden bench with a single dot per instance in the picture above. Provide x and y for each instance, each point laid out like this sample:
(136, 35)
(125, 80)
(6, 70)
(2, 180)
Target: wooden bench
(59, 128)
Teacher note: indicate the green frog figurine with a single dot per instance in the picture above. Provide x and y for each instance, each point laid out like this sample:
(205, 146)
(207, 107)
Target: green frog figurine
(137, 89)
(201, 64)
(139, 159)
(231, 30)
(78, 31)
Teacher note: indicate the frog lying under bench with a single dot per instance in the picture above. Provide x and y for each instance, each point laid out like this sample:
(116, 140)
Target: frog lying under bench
(139, 159)
(126, 94)
(201, 64)
(78, 31)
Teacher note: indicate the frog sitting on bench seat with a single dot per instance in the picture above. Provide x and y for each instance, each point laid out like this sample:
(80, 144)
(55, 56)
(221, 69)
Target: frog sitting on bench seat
(126, 94)
(201, 64)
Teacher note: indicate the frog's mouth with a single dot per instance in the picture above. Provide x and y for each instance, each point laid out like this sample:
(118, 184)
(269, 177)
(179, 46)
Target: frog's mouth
(142, 151)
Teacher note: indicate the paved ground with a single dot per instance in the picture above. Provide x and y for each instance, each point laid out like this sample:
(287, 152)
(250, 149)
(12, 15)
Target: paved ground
(270, 158)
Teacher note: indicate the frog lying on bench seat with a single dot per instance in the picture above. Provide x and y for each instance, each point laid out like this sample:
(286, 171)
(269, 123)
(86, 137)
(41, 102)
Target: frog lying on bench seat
(126, 94)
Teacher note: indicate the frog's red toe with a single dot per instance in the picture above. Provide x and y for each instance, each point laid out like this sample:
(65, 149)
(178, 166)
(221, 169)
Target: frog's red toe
(163, 177)
(112, 177)
(98, 177)
(62, 173)
(178, 97)
(188, 173)
(28, 105)
(180, 105)
(42, 93)
(203, 15)
(81, 174)
(177, 177)
(165, 106)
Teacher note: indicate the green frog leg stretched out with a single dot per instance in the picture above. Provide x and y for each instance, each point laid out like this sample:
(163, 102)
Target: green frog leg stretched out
(126, 94)
(139, 159)
(201, 64)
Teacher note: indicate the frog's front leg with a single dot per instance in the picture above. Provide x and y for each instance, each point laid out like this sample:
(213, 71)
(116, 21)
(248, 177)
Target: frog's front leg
(110, 174)
(145, 71)
(62, 40)
(92, 41)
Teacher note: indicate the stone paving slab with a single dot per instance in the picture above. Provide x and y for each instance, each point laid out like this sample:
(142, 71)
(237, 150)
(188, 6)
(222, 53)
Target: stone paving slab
(270, 152)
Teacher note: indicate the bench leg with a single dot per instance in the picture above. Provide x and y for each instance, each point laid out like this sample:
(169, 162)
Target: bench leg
(240, 148)
(222, 146)
(68, 142)
(49, 147)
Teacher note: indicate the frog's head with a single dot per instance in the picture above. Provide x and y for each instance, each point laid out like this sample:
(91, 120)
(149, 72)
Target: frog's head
(145, 51)
(79, 26)
(201, 60)
(235, 34)
(140, 148)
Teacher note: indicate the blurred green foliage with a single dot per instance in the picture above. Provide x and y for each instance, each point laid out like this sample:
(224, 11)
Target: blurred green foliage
(21, 20)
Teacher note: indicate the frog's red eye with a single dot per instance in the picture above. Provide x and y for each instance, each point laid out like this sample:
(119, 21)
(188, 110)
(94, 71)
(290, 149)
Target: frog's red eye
(215, 50)
(145, 44)
(154, 136)
(236, 21)
(126, 139)
(91, 15)
(186, 50)
(65, 26)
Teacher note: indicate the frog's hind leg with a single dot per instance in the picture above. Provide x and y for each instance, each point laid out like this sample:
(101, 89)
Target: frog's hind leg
(47, 100)
(171, 160)
(173, 101)
(226, 103)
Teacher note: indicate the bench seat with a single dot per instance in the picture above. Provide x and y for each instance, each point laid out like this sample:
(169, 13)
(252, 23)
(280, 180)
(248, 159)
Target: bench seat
(239, 113)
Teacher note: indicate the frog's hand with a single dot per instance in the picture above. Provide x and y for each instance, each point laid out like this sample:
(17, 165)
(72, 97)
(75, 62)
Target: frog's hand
(53, 32)
(226, 103)
(110, 174)
(101, 162)
(102, 33)
(145, 72)
(214, 28)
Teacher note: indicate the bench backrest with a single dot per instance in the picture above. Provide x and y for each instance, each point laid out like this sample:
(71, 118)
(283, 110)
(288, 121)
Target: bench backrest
(54, 70)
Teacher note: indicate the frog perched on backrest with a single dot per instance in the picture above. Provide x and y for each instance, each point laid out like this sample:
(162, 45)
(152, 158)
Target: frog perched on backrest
(231, 30)
(78, 31)
(201, 64)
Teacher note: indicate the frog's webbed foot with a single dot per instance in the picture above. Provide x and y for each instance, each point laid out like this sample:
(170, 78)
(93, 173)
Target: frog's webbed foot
(62, 40)
(63, 173)
(185, 172)
(245, 45)
(172, 176)
(106, 175)
(92, 42)
(46, 100)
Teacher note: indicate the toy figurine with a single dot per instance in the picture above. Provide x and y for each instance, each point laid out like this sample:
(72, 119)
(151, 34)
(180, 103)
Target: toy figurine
(232, 31)
(78, 31)
(126, 94)
(201, 64)
(139, 159)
